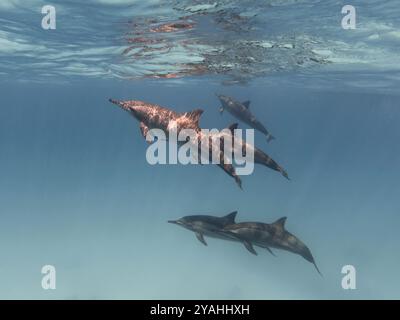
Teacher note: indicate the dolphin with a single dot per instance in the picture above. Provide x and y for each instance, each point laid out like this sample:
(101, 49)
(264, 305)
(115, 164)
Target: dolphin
(241, 111)
(152, 116)
(260, 156)
(210, 226)
(272, 235)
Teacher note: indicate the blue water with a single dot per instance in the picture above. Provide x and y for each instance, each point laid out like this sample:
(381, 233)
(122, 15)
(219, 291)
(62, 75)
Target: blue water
(77, 192)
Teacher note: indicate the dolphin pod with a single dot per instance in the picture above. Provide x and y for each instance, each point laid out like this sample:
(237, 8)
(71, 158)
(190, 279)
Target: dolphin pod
(152, 116)
(250, 234)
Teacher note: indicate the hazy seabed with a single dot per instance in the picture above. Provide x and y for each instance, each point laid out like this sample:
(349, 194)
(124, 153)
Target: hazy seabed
(76, 191)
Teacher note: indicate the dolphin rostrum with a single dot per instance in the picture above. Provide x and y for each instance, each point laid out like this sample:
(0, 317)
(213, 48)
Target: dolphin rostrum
(272, 235)
(152, 116)
(210, 226)
(241, 111)
(205, 225)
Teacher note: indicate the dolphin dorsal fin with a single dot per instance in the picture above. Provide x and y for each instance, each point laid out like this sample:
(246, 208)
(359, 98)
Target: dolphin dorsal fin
(233, 127)
(280, 222)
(195, 115)
(231, 217)
(246, 104)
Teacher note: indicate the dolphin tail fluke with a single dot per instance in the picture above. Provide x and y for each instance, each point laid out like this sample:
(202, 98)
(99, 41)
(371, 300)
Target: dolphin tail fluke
(309, 257)
(266, 160)
(270, 137)
(316, 267)
(285, 174)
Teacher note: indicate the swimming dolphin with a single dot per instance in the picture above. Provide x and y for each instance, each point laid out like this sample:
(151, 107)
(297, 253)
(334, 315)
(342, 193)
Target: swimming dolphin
(260, 156)
(272, 235)
(210, 226)
(152, 116)
(241, 111)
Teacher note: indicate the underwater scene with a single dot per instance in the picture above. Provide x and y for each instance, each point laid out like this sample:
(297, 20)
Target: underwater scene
(199, 149)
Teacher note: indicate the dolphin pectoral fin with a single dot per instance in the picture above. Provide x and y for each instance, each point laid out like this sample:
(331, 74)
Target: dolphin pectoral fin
(229, 169)
(250, 247)
(200, 237)
(144, 130)
(221, 110)
(238, 182)
(270, 251)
